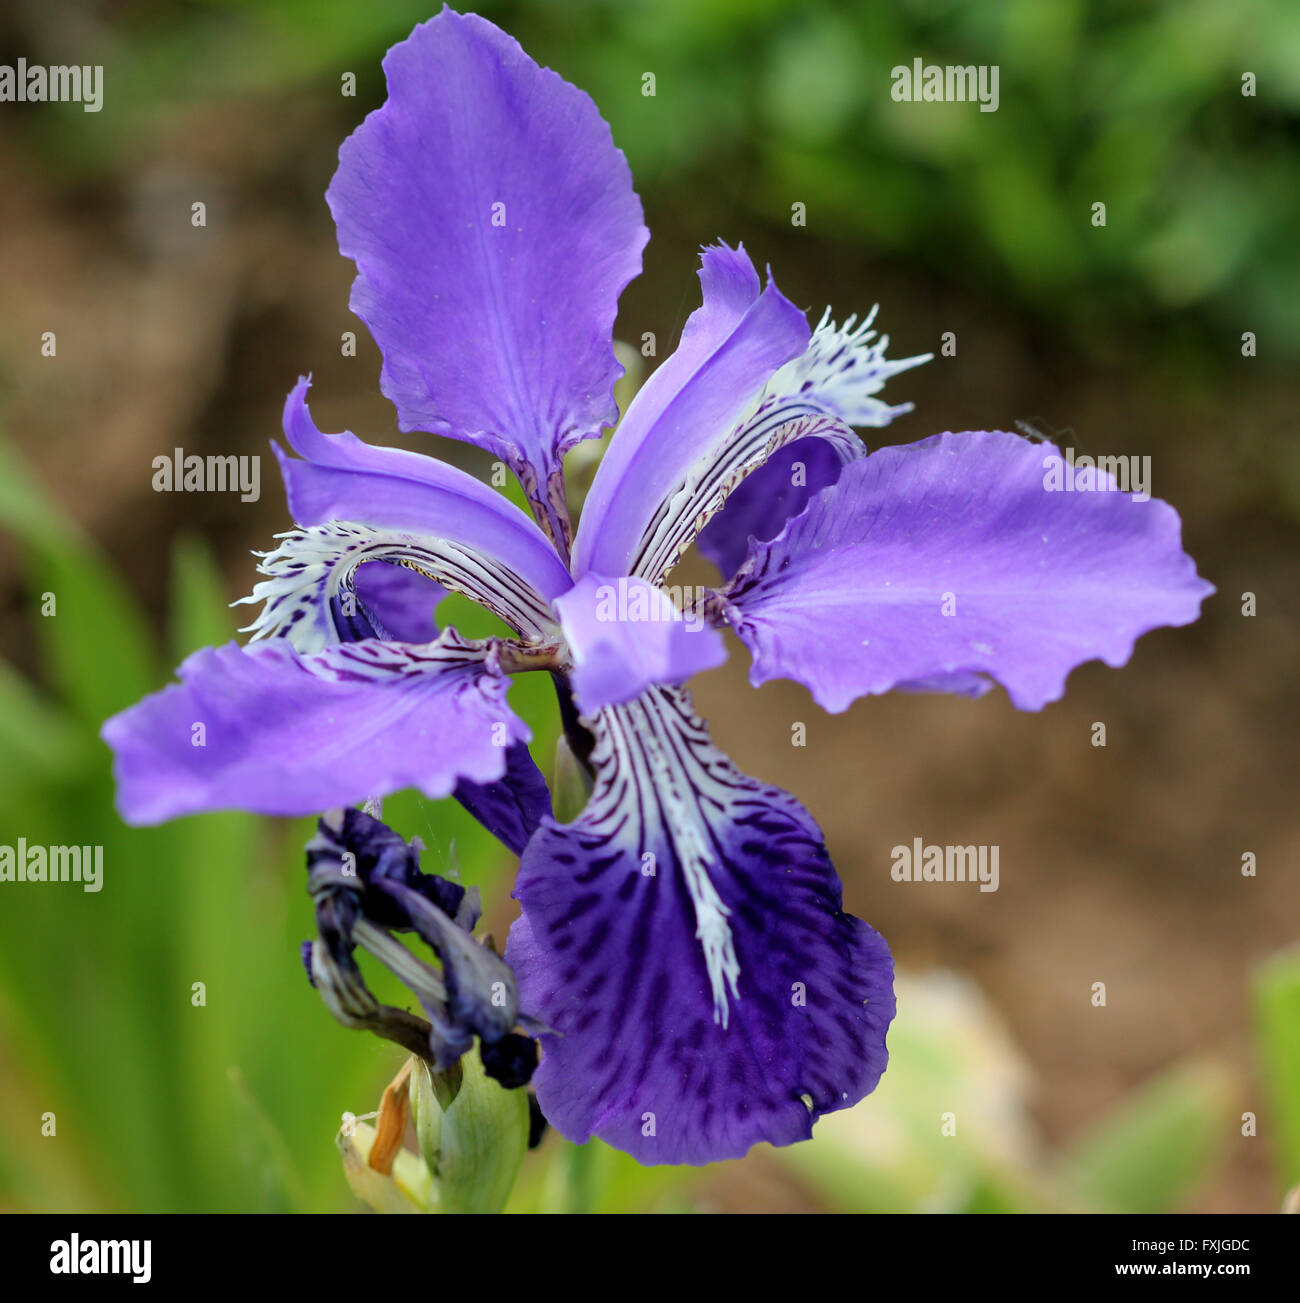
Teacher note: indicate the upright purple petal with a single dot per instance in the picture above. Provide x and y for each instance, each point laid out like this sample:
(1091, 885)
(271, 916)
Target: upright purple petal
(494, 226)
(626, 635)
(685, 939)
(928, 565)
(267, 729)
(730, 347)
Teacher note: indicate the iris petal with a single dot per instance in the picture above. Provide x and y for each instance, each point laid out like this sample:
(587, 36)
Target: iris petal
(626, 635)
(685, 938)
(343, 479)
(513, 806)
(401, 599)
(937, 563)
(839, 376)
(268, 729)
(730, 347)
(343, 582)
(494, 225)
(759, 506)
(753, 451)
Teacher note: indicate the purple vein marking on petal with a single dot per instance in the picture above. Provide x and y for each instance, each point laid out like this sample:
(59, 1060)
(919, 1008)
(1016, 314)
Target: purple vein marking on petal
(609, 955)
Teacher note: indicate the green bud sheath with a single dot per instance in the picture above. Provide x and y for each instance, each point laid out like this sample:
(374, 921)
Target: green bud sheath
(474, 1142)
(570, 784)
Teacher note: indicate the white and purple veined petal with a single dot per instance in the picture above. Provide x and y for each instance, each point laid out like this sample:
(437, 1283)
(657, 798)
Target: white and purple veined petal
(840, 376)
(685, 939)
(760, 504)
(730, 347)
(494, 225)
(471, 539)
(952, 560)
(272, 730)
(344, 582)
(747, 394)
(755, 450)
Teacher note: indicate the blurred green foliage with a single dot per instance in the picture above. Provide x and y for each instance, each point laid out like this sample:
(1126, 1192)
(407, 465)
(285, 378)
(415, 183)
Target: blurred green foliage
(1277, 1031)
(762, 103)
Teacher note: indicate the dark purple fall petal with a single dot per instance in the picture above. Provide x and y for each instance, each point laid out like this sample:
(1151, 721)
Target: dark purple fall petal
(494, 226)
(927, 565)
(264, 728)
(686, 941)
(511, 808)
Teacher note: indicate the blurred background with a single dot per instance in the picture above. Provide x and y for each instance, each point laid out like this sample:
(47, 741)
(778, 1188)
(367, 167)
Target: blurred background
(1120, 864)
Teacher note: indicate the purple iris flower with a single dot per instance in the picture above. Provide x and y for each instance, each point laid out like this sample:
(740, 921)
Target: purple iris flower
(684, 937)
